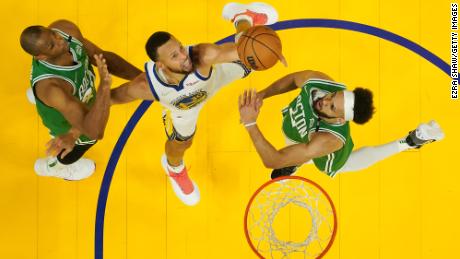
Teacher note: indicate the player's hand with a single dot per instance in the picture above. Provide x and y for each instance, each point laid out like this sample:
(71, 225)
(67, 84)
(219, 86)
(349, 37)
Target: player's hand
(106, 78)
(283, 61)
(249, 106)
(64, 143)
(259, 99)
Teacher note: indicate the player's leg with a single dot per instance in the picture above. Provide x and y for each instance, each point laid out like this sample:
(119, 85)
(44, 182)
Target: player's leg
(71, 167)
(255, 13)
(368, 156)
(244, 16)
(180, 131)
(73, 156)
(175, 150)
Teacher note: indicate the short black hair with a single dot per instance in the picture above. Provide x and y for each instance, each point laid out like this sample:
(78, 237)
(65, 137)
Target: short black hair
(364, 105)
(155, 41)
(29, 37)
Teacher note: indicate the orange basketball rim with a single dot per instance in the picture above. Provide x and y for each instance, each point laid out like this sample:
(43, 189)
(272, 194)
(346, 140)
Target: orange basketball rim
(290, 217)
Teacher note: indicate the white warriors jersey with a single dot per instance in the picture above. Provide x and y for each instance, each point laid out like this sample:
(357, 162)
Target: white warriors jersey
(185, 100)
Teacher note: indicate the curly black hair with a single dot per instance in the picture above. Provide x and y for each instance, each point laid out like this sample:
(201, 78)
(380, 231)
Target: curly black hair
(364, 106)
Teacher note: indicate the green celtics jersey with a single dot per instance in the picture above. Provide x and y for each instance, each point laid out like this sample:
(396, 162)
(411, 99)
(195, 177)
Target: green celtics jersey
(80, 76)
(300, 120)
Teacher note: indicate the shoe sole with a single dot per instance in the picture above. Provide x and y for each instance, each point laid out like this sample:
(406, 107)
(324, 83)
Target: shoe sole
(234, 8)
(86, 176)
(30, 96)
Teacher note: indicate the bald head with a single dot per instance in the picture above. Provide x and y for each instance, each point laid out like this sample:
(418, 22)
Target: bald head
(29, 39)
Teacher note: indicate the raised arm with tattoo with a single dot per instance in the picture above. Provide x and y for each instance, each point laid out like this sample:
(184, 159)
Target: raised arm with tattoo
(320, 144)
(90, 122)
(116, 64)
(290, 82)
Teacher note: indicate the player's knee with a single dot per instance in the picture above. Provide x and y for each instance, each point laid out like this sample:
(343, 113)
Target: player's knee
(180, 144)
(187, 143)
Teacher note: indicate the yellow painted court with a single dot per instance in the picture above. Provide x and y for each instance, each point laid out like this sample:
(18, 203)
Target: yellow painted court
(404, 207)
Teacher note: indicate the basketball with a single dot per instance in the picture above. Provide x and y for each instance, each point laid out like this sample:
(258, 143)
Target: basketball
(259, 48)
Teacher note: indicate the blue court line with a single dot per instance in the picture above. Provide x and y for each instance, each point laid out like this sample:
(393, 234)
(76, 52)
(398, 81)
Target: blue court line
(113, 161)
(290, 24)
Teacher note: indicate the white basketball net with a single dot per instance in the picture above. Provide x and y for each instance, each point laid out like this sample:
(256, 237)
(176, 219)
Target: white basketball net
(275, 197)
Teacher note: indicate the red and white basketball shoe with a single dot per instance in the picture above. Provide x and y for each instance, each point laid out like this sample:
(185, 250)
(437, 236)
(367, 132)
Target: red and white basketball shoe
(257, 13)
(184, 188)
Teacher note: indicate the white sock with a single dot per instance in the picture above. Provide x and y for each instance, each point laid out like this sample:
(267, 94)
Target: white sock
(367, 156)
(176, 169)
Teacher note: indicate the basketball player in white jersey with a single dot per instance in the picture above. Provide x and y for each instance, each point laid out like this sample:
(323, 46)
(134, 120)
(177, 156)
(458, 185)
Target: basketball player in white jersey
(182, 78)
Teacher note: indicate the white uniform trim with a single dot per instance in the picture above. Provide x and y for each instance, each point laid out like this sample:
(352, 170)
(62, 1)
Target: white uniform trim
(73, 39)
(186, 99)
(63, 68)
(339, 136)
(79, 142)
(330, 161)
(47, 76)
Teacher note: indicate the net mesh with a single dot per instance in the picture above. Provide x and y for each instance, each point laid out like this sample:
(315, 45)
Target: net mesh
(306, 206)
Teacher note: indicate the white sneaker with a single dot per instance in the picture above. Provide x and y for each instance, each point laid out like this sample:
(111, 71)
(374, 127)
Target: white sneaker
(81, 169)
(258, 13)
(425, 133)
(30, 95)
(184, 188)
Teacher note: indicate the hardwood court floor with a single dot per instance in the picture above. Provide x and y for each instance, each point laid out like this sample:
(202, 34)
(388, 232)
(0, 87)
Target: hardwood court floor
(404, 207)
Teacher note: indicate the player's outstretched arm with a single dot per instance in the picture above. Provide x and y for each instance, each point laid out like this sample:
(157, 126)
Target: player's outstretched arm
(321, 143)
(116, 64)
(208, 54)
(137, 89)
(205, 55)
(291, 82)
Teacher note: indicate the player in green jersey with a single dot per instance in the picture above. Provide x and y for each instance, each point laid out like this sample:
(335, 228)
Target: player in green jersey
(62, 80)
(316, 126)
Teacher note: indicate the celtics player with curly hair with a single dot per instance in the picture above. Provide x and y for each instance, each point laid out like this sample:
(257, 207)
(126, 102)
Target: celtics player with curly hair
(62, 81)
(316, 126)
